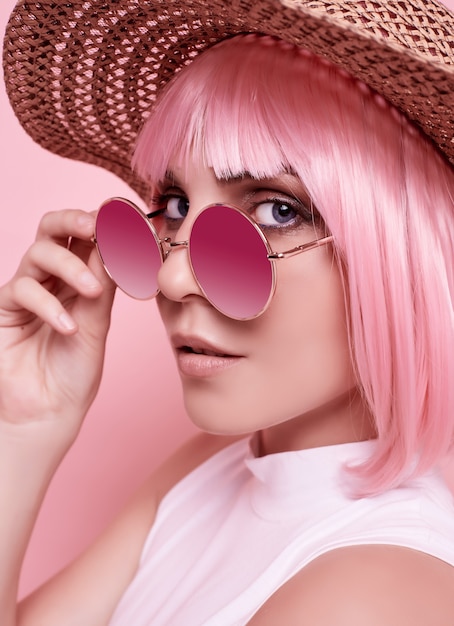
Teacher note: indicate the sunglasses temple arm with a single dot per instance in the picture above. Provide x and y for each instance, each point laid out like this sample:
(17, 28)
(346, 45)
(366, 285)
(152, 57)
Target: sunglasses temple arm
(302, 248)
(155, 213)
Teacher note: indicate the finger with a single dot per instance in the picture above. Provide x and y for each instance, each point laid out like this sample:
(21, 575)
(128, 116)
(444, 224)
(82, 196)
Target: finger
(81, 248)
(61, 225)
(93, 314)
(35, 301)
(73, 229)
(24, 299)
(48, 259)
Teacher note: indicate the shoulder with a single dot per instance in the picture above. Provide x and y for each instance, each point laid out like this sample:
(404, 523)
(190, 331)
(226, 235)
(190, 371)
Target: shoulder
(373, 585)
(177, 466)
(75, 596)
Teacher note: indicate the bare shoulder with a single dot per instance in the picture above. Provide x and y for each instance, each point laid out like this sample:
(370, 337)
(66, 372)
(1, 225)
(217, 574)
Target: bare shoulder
(76, 595)
(373, 585)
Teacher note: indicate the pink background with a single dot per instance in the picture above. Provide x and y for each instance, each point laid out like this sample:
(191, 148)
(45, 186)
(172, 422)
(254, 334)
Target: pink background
(138, 417)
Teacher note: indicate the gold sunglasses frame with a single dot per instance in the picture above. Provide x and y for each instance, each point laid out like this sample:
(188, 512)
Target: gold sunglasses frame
(166, 244)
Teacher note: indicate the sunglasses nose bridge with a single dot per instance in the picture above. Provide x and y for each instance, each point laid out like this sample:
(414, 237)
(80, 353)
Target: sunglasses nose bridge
(176, 279)
(167, 245)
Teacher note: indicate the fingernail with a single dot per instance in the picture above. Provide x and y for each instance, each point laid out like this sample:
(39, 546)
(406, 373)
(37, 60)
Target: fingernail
(66, 321)
(86, 221)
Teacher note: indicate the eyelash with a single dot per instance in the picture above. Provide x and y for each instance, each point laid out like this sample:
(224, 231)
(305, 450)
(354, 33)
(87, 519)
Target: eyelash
(304, 215)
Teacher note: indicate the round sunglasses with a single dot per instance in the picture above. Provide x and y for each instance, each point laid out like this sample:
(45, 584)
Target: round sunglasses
(230, 257)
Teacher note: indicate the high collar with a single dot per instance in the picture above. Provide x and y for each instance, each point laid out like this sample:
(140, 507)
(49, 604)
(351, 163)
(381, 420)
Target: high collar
(295, 483)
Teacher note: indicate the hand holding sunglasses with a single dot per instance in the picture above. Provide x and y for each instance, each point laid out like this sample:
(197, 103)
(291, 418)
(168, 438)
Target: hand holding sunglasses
(54, 319)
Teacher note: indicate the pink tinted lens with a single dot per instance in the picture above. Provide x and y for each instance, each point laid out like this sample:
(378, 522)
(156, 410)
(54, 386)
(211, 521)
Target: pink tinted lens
(128, 248)
(229, 258)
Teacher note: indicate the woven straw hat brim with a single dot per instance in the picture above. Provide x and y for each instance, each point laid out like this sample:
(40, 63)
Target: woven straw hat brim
(82, 75)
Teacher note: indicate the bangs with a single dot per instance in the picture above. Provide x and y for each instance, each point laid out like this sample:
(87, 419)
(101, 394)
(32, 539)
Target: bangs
(227, 109)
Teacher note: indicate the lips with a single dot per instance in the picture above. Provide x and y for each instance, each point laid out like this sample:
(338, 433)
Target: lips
(197, 345)
(197, 358)
(195, 350)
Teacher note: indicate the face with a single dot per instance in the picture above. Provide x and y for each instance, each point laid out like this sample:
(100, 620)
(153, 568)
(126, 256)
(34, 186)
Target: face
(288, 372)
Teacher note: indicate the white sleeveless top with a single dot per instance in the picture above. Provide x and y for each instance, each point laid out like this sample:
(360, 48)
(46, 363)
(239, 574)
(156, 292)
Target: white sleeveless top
(237, 527)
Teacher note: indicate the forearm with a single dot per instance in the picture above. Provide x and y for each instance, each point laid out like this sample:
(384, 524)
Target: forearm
(29, 456)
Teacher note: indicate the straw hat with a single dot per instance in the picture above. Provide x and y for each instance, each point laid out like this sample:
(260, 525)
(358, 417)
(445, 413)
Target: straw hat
(82, 75)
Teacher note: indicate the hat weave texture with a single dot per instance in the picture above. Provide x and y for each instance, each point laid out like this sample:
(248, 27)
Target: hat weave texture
(82, 75)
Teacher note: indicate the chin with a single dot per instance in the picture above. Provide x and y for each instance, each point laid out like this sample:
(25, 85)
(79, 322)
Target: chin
(218, 417)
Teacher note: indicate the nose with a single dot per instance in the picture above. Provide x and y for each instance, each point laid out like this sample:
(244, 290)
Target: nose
(176, 280)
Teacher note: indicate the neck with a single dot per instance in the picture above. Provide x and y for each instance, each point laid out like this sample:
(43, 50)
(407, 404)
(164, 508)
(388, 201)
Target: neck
(344, 419)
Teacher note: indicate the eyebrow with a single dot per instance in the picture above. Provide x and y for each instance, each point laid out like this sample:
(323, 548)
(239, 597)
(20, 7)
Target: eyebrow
(171, 177)
(233, 178)
(247, 175)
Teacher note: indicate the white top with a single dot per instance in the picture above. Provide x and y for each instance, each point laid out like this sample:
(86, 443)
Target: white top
(237, 527)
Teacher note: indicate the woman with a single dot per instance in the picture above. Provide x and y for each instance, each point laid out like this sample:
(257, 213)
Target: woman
(317, 498)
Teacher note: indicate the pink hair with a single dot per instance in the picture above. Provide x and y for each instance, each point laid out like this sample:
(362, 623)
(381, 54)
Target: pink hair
(386, 195)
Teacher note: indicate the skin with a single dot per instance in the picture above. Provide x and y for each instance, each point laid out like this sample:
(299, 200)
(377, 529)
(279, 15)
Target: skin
(293, 380)
(56, 310)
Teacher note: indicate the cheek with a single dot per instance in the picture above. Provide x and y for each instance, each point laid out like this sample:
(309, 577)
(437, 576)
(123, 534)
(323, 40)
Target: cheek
(308, 334)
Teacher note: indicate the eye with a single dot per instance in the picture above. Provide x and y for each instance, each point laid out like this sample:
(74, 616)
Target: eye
(274, 213)
(176, 207)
